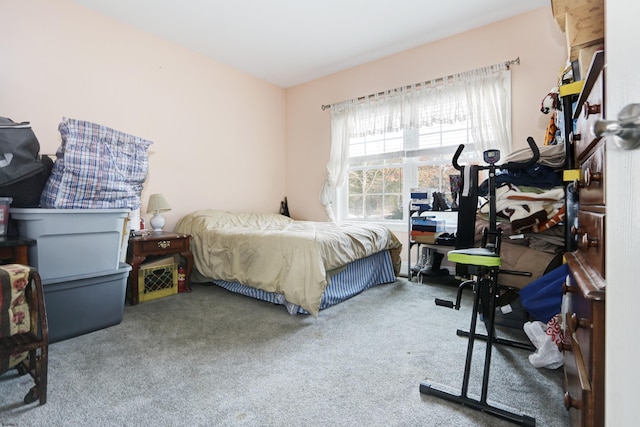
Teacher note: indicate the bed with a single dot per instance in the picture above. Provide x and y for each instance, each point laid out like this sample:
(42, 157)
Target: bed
(304, 265)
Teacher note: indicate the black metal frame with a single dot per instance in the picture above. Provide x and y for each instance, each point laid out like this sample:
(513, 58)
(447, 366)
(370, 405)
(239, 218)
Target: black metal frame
(486, 292)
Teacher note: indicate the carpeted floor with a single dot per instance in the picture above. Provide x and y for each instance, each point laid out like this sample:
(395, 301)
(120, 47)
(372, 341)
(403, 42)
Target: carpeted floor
(213, 358)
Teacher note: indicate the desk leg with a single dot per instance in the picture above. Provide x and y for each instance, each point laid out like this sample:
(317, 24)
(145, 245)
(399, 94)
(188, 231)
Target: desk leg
(136, 260)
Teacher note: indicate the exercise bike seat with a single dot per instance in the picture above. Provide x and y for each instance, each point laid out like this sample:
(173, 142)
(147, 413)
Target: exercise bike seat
(482, 257)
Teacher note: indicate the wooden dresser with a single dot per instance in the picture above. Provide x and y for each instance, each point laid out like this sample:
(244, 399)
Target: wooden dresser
(583, 305)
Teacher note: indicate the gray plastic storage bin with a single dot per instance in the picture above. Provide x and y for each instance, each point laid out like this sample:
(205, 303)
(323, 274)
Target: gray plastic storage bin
(80, 304)
(70, 242)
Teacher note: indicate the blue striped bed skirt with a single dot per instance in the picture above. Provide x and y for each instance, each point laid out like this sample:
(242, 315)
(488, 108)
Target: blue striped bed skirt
(357, 276)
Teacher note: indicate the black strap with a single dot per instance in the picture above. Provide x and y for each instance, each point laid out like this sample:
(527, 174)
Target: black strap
(465, 234)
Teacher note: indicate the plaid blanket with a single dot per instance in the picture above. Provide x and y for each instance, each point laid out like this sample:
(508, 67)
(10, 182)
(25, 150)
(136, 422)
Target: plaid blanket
(96, 167)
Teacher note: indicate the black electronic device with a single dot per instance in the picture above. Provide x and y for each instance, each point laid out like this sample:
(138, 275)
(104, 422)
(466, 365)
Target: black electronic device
(491, 156)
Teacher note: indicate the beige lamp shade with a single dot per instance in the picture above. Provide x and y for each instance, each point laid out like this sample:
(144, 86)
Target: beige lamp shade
(157, 204)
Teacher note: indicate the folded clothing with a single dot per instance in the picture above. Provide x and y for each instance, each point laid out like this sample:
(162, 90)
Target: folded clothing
(537, 175)
(550, 155)
(529, 210)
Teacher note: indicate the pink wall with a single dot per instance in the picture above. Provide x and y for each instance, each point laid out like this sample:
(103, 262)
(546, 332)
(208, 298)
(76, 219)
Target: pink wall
(219, 134)
(533, 37)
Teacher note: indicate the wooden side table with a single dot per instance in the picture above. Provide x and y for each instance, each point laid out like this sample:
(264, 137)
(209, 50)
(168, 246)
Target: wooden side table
(14, 250)
(156, 243)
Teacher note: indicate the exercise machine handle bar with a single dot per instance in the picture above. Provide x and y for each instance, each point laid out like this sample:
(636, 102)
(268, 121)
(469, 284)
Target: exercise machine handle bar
(507, 166)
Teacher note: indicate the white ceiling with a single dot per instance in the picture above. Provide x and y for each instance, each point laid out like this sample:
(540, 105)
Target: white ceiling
(288, 42)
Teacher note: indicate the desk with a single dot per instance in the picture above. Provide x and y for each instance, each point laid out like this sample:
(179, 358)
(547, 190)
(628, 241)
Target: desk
(156, 243)
(14, 250)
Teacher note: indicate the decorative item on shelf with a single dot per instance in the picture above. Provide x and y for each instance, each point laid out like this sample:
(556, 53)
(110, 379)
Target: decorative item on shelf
(284, 207)
(157, 205)
(440, 202)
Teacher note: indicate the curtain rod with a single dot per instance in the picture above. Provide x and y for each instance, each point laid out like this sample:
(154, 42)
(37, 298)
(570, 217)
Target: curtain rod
(507, 63)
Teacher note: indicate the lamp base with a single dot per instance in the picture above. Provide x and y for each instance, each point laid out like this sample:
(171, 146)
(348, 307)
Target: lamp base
(157, 222)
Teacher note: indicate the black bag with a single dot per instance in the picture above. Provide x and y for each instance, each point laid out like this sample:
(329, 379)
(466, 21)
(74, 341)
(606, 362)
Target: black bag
(22, 173)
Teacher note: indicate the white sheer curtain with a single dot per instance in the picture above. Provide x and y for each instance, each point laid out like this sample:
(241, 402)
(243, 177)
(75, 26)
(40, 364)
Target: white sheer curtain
(343, 118)
(489, 99)
(481, 96)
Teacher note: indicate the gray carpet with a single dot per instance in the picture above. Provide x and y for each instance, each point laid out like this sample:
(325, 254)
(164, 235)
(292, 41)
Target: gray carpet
(215, 358)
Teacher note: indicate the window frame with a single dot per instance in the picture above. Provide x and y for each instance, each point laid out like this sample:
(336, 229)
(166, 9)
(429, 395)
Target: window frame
(410, 166)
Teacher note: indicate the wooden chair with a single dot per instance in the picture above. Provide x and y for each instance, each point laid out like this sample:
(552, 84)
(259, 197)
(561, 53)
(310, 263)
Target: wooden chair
(24, 335)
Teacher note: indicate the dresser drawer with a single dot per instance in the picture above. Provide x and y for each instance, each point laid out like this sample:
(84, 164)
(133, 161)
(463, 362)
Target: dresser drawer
(590, 235)
(577, 384)
(574, 385)
(577, 326)
(168, 245)
(592, 178)
(591, 111)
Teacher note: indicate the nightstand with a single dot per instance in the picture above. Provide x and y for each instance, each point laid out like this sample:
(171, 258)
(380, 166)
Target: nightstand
(152, 244)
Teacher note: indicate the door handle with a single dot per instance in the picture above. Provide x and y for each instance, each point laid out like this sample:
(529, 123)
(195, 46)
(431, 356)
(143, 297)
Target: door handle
(625, 131)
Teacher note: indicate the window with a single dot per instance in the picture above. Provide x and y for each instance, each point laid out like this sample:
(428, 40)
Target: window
(382, 169)
(375, 190)
(384, 144)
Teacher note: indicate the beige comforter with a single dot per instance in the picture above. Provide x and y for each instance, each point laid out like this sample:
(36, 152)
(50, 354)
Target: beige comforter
(277, 254)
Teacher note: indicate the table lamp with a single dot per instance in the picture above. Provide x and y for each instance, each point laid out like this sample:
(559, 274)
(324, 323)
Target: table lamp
(157, 205)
